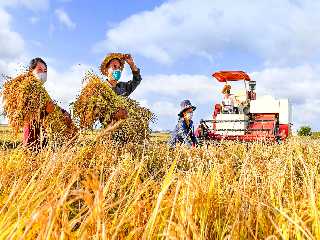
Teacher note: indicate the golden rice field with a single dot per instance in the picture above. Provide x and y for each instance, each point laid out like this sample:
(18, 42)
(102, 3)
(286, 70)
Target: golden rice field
(94, 189)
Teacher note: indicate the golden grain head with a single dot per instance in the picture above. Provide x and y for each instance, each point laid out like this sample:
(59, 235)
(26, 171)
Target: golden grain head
(24, 100)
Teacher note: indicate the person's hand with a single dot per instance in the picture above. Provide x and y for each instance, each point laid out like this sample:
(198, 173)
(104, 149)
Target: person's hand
(128, 58)
(50, 107)
(67, 118)
(120, 114)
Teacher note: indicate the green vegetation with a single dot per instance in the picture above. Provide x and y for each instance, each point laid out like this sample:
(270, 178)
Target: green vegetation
(304, 131)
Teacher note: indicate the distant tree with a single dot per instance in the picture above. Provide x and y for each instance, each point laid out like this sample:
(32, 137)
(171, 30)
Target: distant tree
(304, 131)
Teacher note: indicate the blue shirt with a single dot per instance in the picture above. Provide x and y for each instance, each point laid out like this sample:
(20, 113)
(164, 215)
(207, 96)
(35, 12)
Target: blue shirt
(183, 134)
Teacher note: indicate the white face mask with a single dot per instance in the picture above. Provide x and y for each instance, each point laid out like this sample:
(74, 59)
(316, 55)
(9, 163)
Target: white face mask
(41, 76)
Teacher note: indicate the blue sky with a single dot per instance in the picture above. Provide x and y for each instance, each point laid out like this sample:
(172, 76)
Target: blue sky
(177, 44)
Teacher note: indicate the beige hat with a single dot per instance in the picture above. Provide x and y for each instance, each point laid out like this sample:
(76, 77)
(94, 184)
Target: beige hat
(107, 60)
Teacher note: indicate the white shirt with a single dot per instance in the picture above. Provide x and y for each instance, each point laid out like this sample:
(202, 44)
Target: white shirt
(228, 102)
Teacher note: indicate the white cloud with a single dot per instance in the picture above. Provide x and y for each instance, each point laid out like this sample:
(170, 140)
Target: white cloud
(299, 83)
(35, 5)
(34, 20)
(164, 108)
(64, 19)
(275, 31)
(63, 86)
(201, 88)
(13, 45)
(11, 42)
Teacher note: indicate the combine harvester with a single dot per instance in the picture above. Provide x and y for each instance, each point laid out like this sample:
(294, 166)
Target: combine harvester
(253, 119)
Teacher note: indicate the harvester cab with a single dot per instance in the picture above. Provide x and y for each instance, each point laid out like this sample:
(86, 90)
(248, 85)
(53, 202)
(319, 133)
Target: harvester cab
(244, 117)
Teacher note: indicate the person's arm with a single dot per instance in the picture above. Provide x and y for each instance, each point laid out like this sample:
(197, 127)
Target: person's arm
(49, 107)
(120, 114)
(184, 134)
(132, 85)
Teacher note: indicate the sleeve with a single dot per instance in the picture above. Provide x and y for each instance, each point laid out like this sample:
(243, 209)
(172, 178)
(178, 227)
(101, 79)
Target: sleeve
(132, 85)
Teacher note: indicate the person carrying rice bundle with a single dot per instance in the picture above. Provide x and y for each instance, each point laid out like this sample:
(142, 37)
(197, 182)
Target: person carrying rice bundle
(112, 67)
(28, 105)
(136, 126)
(107, 102)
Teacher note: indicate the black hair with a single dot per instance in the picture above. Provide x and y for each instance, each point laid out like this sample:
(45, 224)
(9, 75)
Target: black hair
(35, 61)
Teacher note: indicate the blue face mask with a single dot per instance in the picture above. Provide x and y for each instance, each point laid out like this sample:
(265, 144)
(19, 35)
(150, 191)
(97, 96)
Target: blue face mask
(116, 74)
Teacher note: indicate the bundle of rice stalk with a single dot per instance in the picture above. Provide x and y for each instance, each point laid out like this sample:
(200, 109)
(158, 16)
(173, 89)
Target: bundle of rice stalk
(58, 128)
(26, 100)
(96, 102)
(135, 129)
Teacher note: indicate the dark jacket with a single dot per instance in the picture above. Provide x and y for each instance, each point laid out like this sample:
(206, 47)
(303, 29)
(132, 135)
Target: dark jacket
(183, 134)
(126, 88)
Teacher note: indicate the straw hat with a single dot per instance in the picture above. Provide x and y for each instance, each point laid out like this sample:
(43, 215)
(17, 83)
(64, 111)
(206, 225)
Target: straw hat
(107, 60)
(226, 88)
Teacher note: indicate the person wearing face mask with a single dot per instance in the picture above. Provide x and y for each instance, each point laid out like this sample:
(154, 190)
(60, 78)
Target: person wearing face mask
(32, 130)
(184, 130)
(112, 67)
